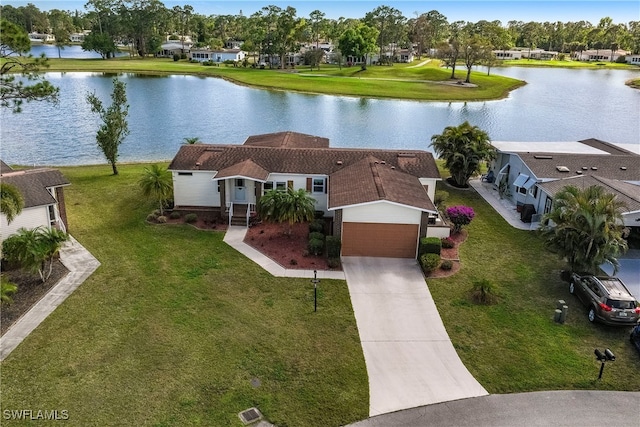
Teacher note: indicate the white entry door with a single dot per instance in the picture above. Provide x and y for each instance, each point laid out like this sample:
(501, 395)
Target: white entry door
(240, 192)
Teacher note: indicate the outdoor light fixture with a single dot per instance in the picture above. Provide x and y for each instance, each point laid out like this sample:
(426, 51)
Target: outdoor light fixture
(315, 282)
(607, 356)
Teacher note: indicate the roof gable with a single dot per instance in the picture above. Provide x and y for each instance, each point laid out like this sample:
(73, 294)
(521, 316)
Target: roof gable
(34, 183)
(372, 180)
(247, 169)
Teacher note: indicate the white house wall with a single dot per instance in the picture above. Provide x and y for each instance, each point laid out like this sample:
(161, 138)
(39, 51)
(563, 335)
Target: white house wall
(431, 183)
(632, 219)
(29, 218)
(381, 212)
(197, 189)
(300, 181)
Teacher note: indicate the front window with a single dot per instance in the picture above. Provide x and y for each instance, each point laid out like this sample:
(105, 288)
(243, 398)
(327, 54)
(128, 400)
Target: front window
(318, 185)
(281, 186)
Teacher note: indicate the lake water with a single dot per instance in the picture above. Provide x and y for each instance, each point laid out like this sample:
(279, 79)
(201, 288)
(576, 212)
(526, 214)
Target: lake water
(68, 52)
(556, 105)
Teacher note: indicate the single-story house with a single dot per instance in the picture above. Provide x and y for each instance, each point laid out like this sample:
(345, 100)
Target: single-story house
(519, 53)
(380, 201)
(174, 47)
(633, 59)
(217, 55)
(42, 190)
(605, 55)
(531, 173)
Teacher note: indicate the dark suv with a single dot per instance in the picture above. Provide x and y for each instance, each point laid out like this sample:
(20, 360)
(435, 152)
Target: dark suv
(607, 299)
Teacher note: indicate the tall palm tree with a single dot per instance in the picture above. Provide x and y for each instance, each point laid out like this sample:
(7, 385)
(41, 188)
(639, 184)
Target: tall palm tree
(11, 201)
(191, 141)
(291, 207)
(587, 228)
(463, 149)
(157, 183)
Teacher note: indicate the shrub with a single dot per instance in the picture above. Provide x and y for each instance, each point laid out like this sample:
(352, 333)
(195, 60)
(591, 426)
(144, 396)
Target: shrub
(440, 198)
(316, 246)
(316, 225)
(174, 215)
(190, 218)
(152, 217)
(184, 56)
(447, 264)
(176, 57)
(162, 219)
(333, 246)
(316, 235)
(157, 212)
(460, 216)
(484, 292)
(429, 262)
(430, 245)
(333, 262)
(448, 243)
(293, 261)
(318, 214)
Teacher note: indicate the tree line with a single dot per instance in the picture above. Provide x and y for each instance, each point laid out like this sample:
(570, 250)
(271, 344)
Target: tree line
(144, 24)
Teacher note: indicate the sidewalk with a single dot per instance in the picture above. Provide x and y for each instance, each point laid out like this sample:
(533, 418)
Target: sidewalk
(234, 237)
(81, 264)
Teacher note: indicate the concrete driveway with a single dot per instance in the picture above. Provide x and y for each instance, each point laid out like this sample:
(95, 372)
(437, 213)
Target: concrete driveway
(409, 356)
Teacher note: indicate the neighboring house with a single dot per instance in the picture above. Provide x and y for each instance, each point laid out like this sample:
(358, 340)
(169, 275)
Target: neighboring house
(532, 173)
(605, 55)
(633, 59)
(37, 38)
(174, 47)
(524, 52)
(79, 37)
(380, 201)
(217, 55)
(42, 190)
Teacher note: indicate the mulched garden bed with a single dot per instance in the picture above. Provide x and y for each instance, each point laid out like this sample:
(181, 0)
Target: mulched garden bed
(30, 291)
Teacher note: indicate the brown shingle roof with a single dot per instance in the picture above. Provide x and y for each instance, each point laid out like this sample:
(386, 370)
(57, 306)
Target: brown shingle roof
(629, 194)
(33, 184)
(4, 168)
(247, 169)
(287, 139)
(545, 165)
(323, 161)
(605, 146)
(372, 180)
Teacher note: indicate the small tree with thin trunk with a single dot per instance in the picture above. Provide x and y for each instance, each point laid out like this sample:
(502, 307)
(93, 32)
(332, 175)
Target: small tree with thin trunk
(157, 183)
(114, 127)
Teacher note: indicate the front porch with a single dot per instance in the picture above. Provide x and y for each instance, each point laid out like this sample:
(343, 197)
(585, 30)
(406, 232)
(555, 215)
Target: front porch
(504, 207)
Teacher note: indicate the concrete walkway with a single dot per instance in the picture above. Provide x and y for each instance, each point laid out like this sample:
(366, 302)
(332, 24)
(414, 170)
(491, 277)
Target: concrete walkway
(409, 357)
(503, 207)
(81, 264)
(234, 237)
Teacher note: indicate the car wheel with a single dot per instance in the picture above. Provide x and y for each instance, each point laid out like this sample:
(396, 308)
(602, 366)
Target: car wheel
(592, 315)
(572, 288)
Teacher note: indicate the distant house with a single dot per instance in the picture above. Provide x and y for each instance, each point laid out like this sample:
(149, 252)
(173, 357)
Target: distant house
(532, 173)
(604, 55)
(44, 205)
(633, 59)
(174, 47)
(379, 201)
(217, 55)
(39, 38)
(79, 37)
(522, 52)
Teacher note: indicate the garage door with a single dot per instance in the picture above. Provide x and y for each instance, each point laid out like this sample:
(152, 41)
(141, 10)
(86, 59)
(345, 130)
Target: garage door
(379, 240)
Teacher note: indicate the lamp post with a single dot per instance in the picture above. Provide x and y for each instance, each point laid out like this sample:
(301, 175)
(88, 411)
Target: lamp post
(604, 357)
(315, 282)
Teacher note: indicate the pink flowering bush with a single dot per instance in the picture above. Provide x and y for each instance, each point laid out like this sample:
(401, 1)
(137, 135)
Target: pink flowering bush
(460, 216)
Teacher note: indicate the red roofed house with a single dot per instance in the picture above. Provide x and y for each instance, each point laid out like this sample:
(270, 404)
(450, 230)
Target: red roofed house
(381, 201)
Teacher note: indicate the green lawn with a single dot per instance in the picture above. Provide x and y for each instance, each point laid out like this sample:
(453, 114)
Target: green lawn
(175, 324)
(398, 81)
(516, 346)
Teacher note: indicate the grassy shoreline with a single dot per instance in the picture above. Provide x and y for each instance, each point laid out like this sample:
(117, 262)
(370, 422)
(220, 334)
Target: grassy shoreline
(401, 81)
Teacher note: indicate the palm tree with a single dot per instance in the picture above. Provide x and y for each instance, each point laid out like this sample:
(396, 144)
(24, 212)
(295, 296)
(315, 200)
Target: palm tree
(291, 206)
(587, 228)
(463, 149)
(11, 201)
(34, 249)
(157, 183)
(191, 141)
(7, 289)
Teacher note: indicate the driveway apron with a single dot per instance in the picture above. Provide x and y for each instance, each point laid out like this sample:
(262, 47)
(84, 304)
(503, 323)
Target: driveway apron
(409, 356)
